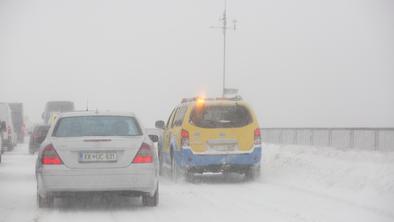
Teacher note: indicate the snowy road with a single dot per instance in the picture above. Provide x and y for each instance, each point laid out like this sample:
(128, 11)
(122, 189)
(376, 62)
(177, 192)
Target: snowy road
(297, 184)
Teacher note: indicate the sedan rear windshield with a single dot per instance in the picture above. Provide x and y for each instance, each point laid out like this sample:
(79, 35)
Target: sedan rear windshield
(220, 116)
(97, 126)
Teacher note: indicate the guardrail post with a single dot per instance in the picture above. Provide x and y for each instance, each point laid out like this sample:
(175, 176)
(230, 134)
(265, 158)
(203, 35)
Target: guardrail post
(295, 136)
(376, 139)
(311, 137)
(351, 138)
(330, 137)
(281, 136)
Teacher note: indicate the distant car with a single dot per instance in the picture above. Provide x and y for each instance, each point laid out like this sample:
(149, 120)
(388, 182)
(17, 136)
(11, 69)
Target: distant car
(211, 135)
(37, 137)
(97, 152)
(9, 135)
(2, 128)
(17, 120)
(56, 107)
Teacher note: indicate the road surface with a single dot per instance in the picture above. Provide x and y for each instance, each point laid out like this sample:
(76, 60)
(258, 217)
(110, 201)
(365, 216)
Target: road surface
(297, 184)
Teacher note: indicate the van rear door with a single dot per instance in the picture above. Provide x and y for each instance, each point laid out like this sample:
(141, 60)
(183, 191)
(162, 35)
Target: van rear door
(221, 128)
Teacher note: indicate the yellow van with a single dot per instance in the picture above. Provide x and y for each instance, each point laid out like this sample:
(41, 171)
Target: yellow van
(211, 135)
(52, 117)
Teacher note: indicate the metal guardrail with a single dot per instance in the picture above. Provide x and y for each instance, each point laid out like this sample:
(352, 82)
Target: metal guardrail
(347, 138)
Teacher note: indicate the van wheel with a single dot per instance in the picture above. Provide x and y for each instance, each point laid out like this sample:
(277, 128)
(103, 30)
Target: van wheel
(190, 177)
(176, 171)
(252, 173)
(45, 202)
(151, 201)
(161, 167)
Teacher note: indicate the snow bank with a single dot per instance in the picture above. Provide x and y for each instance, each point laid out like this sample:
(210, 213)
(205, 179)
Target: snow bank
(363, 177)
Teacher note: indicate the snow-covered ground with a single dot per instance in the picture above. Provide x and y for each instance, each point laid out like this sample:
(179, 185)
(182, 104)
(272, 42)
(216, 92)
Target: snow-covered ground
(297, 184)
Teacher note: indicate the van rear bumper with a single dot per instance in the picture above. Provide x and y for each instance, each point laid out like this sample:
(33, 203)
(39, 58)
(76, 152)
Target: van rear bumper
(190, 160)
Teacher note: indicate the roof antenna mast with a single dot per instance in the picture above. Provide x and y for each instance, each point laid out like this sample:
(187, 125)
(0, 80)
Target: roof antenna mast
(224, 27)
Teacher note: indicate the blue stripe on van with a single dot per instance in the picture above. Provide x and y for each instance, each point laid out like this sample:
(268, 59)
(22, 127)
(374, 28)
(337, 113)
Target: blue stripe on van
(185, 158)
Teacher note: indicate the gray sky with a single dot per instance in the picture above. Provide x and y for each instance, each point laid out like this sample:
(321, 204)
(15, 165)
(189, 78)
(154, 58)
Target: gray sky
(298, 63)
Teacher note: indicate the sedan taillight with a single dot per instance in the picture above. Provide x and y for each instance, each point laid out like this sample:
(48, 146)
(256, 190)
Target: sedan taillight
(50, 156)
(144, 154)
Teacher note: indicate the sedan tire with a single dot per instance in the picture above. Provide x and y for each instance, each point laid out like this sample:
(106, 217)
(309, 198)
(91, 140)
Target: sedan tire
(45, 202)
(151, 201)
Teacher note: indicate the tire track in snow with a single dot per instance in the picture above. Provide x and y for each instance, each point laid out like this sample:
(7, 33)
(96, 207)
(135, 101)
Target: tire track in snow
(338, 199)
(245, 204)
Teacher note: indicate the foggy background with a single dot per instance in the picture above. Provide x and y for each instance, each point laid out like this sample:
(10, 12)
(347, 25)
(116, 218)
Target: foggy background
(298, 63)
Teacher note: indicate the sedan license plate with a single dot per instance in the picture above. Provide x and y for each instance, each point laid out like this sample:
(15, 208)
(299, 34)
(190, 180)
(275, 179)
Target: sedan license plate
(97, 157)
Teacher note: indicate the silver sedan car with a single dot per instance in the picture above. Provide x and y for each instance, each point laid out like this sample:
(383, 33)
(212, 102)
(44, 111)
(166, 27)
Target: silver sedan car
(97, 152)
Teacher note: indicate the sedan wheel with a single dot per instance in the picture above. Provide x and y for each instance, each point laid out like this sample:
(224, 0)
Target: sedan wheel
(45, 202)
(151, 201)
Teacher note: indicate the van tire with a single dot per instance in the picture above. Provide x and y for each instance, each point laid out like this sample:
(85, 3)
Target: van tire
(190, 177)
(161, 164)
(176, 172)
(252, 173)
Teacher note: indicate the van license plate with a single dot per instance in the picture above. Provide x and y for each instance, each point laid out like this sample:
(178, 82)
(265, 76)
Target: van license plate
(97, 157)
(224, 147)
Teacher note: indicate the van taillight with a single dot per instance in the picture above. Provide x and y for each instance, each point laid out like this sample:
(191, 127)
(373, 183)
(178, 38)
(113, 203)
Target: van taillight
(50, 156)
(144, 154)
(185, 140)
(257, 136)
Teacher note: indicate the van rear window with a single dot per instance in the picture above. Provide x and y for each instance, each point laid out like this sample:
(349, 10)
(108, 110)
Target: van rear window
(220, 116)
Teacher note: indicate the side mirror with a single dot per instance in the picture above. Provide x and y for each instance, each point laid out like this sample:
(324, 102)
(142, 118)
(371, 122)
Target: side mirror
(160, 124)
(154, 138)
(2, 126)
